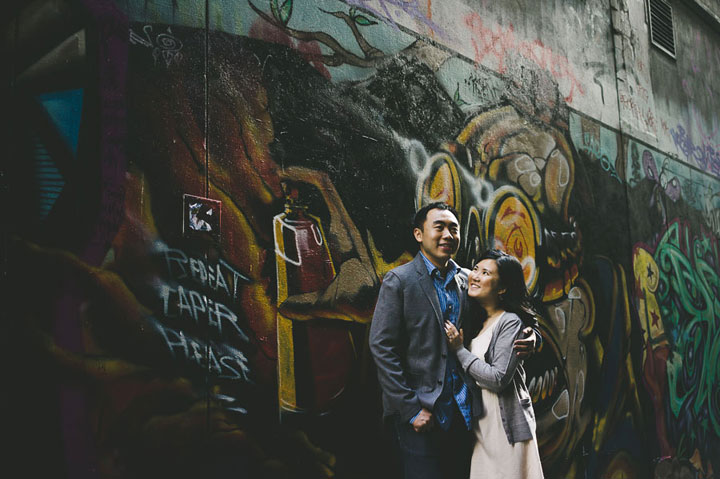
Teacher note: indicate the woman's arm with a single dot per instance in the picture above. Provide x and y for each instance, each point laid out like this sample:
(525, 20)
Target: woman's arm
(498, 373)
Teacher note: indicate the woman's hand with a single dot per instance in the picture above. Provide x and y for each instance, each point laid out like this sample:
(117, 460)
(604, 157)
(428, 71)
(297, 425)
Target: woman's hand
(454, 337)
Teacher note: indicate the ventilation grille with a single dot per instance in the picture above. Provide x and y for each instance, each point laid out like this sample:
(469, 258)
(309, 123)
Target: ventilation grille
(662, 33)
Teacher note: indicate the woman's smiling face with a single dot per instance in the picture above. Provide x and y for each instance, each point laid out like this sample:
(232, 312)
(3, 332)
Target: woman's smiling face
(484, 282)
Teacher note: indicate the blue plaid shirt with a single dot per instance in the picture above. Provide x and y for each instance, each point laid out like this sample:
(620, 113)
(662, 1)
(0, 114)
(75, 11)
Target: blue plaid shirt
(454, 388)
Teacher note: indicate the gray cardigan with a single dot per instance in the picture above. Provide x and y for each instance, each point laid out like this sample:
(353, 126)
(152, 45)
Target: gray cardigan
(502, 373)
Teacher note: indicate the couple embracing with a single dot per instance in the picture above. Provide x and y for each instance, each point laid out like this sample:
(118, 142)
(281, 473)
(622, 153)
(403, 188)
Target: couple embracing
(448, 344)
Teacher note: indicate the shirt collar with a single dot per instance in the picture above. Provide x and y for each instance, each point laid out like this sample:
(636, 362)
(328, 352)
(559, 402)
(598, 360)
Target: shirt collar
(452, 270)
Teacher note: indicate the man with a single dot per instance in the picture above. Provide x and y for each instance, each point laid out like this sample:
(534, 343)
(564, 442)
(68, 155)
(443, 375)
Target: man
(425, 393)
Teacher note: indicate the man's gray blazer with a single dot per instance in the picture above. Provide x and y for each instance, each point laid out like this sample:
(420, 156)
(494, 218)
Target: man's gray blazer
(407, 338)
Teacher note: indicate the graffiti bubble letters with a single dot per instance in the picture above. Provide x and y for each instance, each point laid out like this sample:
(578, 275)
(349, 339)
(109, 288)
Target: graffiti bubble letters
(216, 276)
(499, 43)
(164, 46)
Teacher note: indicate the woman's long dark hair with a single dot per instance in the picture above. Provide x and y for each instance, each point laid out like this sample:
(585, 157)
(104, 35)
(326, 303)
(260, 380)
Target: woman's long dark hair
(514, 299)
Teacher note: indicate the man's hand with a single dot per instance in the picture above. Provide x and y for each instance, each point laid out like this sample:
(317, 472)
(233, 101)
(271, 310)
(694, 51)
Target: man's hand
(423, 421)
(525, 347)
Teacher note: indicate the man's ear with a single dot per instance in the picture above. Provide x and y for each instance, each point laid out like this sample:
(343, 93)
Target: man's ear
(417, 233)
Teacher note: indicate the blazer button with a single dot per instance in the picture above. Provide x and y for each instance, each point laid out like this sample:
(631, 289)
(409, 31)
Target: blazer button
(444, 355)
(440, 381)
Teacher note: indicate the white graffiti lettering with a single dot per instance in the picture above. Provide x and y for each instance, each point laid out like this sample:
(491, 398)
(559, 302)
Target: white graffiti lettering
(186, 303)
(218, 276)
(224, 361)
(165, 46)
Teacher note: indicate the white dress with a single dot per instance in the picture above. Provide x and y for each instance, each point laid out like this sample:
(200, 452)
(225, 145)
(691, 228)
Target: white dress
(493, 456)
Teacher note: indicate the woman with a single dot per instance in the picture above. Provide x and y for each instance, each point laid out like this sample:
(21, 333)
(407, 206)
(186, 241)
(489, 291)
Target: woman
(506, 445)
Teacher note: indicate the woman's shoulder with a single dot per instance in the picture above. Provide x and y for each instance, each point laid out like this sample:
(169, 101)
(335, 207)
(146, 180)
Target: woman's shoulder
(506, 329)
(509, 319)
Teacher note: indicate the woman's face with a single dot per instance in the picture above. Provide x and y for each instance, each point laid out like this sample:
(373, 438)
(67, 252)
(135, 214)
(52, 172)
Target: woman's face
(484, 282)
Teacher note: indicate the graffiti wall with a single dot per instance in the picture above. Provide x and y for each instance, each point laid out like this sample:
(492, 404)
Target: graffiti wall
(207, 214)
(695, 132)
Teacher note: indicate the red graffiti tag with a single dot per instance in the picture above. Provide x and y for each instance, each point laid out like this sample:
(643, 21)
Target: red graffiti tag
(498, 42)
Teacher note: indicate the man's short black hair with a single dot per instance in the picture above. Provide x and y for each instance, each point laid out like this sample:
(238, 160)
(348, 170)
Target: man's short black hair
(421, 214)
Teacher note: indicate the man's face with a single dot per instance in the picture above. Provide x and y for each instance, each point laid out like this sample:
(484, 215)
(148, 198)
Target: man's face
(439, 237)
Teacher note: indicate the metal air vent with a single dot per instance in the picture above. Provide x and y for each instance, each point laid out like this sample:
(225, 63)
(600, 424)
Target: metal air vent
(662, 33)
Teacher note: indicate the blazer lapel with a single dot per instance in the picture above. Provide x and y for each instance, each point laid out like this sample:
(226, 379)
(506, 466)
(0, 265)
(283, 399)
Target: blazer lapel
(459, 285)
(428, 287)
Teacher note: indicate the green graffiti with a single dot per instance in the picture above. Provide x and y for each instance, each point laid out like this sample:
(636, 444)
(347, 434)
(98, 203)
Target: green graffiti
(361, 20)
(688, 297)
(281, 10)
(456, 97)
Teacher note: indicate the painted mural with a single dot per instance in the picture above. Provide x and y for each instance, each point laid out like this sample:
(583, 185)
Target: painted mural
(234, 343)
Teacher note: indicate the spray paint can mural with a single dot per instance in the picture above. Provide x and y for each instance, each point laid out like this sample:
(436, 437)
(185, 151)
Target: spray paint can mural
(315, 355)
